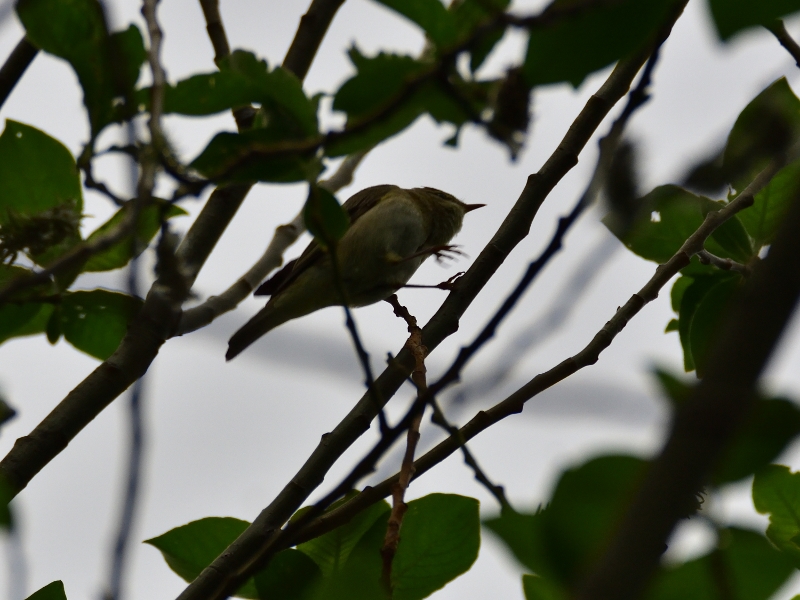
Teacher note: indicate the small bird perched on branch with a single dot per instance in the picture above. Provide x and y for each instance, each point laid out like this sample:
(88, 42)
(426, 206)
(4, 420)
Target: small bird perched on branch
(392, 231)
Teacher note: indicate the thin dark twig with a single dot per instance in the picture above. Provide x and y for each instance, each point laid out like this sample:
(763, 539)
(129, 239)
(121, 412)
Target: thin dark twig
(399, 507)
(495, 490)
(15, 66)
(778, 29)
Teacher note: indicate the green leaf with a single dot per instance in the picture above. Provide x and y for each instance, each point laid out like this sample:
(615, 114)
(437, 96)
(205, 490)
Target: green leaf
(257, 155)
(768, 125)
(745, 565)
(290, 575)
(75, 30)
(586, 506)
(676, 389)
(37, 173)
(439, 541)
(765, 216)
(668, 216)
(23, 315)
(769, 428)
(732, 16)
(707, 317)
(379, 81)
(592, 37)
(95, 322)
(324, 217)
(776, 491)
(678, 289)
(523, 535)
(332, 550)
(120, 254)
(52, 591)
(538, 588)
(40, 195)
(190, 548)
(431, 16)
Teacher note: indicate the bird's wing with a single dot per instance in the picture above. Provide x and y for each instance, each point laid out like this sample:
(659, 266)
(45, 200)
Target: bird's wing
(355, 206)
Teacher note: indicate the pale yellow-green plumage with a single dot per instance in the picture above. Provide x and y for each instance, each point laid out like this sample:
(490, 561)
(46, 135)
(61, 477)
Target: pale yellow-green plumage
(392, 231)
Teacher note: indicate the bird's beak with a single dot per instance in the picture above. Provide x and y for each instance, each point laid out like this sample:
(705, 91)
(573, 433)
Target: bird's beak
(470, 207)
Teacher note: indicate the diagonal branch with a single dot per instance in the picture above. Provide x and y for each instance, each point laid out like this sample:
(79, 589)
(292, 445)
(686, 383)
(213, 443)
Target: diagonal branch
(15, 66)
(156, 322)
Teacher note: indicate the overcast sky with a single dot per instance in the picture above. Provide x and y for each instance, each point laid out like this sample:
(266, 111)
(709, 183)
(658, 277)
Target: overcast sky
(223, 439)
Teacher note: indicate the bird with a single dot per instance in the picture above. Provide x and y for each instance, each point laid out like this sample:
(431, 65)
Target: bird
(392, 231)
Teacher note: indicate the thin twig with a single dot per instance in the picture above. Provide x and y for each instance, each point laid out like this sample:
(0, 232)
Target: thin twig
(481, 477)
(131, 494)
(261, 538)
(726, 264)
(392, 538)
(285, 235)
(15, 66)
(778, 29)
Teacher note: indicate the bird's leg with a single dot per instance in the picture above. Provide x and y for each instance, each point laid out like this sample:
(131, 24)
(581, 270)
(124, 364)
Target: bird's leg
(448, 285)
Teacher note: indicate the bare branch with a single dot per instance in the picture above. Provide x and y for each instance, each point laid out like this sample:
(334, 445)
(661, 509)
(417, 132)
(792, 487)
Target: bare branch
(726, 264)
(15, 66)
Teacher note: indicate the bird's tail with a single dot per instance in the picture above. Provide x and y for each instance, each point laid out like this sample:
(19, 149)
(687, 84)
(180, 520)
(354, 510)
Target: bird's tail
(263, 321)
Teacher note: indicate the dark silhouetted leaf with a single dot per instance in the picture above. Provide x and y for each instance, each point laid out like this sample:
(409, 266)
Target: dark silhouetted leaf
(106, 66)
(324, 217)
(776, 491)
(586, 506)
(6, 495)
(677, 390)
(765, 216)
(731, 16)
(52, 591)
(708, 317)
(768, 125)
(431, 16)
(592, 37)
(769, 428)
(538, 588)
(95, 322)
(745, 564)
(522, 534)
(668, 216)
(120, 254)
